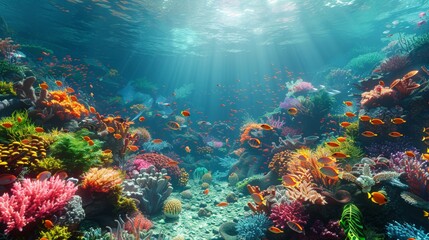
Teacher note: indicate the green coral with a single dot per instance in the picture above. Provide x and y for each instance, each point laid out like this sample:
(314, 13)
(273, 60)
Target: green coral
(123, 205)
(75, 152)
(21, 127)
(6, 88)
(365, 62)
(49, 163)
(8, 69)
(56, 233)
(351, 222)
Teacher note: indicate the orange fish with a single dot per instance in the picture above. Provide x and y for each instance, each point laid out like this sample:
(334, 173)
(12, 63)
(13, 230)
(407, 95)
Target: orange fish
(377, 197)
(59, 83)
(410, 154)
(157, 141)
(44, 86)
(369, 134)
(425, 156)
(25, 141)
(133, 148)
(43, 175)
(376, 121)
(350, 114)
(302, 157)
(295, 227)
(266, 126)
(91, 143)
(396, 134)
(172, 163)
(92, 110)
(44, 238)
(348, 103)
(141, 119)
(7, 125)
(73, 98)
(258, 198)
(339, 155)
(117, 136)
(222, 204)
(18, 119)
(325, 160)
(254, 142)
(187, 149)
(205, 192)
(39, 129)
(185, 113)
(61, 175)
(332, 144)
(345, 124)
(410, 74)
(341, 139)
(110, 129)
(275, 230)
(173, 125)
(107, 151)
(364, 118)
(397, 121)
(292, 111)
(69, 90)
(86, 138)
(6, 179)
(329, 171)
(48, 224)
(381, 83)
(289, 181)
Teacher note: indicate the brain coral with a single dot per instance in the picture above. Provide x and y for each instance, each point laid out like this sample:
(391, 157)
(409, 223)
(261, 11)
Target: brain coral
(172, 208)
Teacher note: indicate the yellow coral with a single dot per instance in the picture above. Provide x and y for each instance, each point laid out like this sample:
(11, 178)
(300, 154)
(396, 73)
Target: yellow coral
(101, 180)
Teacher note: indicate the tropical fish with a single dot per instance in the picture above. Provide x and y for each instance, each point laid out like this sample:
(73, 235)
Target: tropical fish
(381, 83)
(289, 181)
(348, 103)
(222, 204)
(86, 138)
(369, 134)
(7, 125)
(44, 86)
(258, 198)
(173, 125)
(397, 121)
(295, 227)
(266, 126)
(425, 138)
(376, 121)
(157, 141)
(345, 124)
(350, 114)
(69, 90)
(292, 111)
(133, 148)
(187, 149)
(110, 129)
(107, 151)
(341, 139)
(377, 197)
(43, 175)
(73, 98)
(275, 230)
(339, 155)
(302, 157)
(410, 74)
(185, 113)
(326, 160)
(6, 179)
(19, 119)
(254, 142)
(425, 214)
(117, 136)
(92, 110)
(426, 130)
(90, 143)
(410, 154)
(332, 144)
(141, 119)
(61, 175)
(206, 191)
(396, 134)
(48, 224)
(39, 129)
(425, 156)
(329, 171)
(59, 83)
(364, 118)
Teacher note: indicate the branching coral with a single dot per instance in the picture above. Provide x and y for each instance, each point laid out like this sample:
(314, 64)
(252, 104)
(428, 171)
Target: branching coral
(253, 227)
(63, 105)
(101, 180)
(306, 189)
(161, 162)
(34, 200)
(403, 231)
(246, 130)
(283, 213)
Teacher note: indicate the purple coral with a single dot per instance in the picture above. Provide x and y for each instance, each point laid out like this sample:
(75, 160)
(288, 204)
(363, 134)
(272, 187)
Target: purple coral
(283, 213)
(329, 231)
(136, 165)
(34, 200)
(275, 123)
(290, 102)
(395, 63)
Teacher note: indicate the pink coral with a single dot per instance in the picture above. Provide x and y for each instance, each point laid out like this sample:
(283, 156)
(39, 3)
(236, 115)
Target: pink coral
(160, 161)
(32, 200)
(302, 87)
(136, 165)
(283, 213)
(379, 96)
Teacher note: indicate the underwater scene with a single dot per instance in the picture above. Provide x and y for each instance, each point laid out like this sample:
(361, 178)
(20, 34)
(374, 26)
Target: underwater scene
(214, 119)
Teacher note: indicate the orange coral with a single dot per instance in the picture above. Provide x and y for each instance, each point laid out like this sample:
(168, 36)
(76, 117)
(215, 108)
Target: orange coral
(63, 106)
(280, 161)
(246, 131)
(101, 180)
(305, 190)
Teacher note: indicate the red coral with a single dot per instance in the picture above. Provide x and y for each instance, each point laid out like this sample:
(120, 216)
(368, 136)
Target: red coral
(137, 223)
(379, 96)
(160, 161)
(283, 213)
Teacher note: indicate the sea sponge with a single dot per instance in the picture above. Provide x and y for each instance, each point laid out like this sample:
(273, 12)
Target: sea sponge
(172, 208)
(101, 180)
(184, 178)
(207, 178)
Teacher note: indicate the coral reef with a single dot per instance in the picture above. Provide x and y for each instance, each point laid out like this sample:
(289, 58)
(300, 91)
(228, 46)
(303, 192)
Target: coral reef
(252, 227)
(162, 162)
(403, 231)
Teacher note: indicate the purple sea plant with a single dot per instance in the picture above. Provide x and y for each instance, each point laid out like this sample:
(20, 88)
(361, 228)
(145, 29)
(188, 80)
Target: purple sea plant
(290, 102)
(275, 123)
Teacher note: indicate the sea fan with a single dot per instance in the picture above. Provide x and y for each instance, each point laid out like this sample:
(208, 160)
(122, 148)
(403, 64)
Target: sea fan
(351, 222)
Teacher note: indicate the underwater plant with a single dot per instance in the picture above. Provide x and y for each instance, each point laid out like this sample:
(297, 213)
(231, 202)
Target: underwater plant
(56, 233)
(75, 152)
(48, 163)
(351, 222)
(252, 226)
(10, 71)
(6, 88)
(20, 127)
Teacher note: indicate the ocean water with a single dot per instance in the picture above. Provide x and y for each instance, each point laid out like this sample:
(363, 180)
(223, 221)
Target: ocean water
(228, 119)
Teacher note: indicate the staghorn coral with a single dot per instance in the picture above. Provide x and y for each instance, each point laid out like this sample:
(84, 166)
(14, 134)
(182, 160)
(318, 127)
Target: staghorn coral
(283, 213)
(403, 231)
(306, 189)
(101, 180)
(172, 208)
(32, 200)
